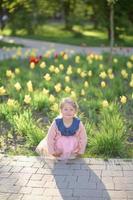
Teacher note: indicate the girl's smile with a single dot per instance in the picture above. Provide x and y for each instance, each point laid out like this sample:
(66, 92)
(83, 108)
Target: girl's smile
(68, 112)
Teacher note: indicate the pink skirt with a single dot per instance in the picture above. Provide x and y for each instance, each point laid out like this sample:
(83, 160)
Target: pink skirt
(67, 146)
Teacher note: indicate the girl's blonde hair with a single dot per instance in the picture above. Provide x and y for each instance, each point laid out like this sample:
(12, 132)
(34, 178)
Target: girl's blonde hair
(69, 101)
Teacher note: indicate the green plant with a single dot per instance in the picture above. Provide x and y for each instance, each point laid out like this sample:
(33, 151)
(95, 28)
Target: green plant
(6, 111)
(110, 137)
(24, 124)
(40, 102)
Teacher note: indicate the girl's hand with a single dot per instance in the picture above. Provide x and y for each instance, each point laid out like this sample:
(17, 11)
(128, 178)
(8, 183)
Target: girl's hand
(57, 154)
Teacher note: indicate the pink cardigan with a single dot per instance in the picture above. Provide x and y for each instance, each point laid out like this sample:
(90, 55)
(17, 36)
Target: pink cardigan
(47, 145)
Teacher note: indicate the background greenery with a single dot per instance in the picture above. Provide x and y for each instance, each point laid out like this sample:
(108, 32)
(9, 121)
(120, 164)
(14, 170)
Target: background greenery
(70, 21)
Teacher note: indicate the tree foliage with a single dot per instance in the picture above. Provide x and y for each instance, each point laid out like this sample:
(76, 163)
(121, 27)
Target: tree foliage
(28, 14)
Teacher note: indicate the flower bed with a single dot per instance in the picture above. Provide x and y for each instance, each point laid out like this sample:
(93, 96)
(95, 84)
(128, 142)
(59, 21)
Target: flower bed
(31, 88)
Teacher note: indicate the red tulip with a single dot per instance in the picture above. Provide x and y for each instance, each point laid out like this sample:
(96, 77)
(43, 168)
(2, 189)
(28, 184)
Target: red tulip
(56, 55)
(35, 59)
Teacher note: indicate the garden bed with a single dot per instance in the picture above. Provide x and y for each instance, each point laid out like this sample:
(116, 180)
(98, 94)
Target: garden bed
(31, 88)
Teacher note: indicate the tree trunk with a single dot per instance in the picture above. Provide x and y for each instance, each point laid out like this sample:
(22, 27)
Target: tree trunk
(68, 9)
(111, 32)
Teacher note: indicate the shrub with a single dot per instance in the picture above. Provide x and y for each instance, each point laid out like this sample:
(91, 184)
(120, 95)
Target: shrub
(24, 124)
(110, 137)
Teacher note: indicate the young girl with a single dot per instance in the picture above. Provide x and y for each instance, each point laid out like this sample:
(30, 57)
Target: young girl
(66, 138)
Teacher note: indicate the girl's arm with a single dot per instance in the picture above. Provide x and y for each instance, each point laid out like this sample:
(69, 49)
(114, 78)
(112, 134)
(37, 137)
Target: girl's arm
(51, 138)
(82, 139)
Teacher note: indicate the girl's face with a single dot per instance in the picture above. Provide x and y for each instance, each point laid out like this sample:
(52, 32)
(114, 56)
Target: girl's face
(68, 111)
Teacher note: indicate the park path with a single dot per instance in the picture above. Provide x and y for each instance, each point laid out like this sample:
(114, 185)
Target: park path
(37, 178)
(43, 46)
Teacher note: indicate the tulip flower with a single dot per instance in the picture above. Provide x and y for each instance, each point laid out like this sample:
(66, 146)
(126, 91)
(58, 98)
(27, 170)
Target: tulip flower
(17, 86)
(57, 87)
(100, 57)
(55, 107)
(96, 56)
(47, 77)
(111, 76)
(89, 73)
(11, 102)
(79, 70)
(29, 86)
(101, 66)
(45, 91)
(124, 73)
(47, 54)
(82, 92)
(103, 75)
(62, 53)
(77, 59)
(123, 99)
(103, 84)
(131, 83)
(34, 59)
(110, 71)
(65, 56)
(19, 52)
(56, 70)
(32, 65)
(52, 68)
(51, 98)
(67, 78)
(82, 74)
(129, 65)
(69, 70)
(115, 60)
(131, 57)
(86, 84)
(56, 55)
(105, 103)
(42, 65)
(2, 90)
(61, 66)
(27, 99)
(9, 74)
(90, 61)
(73, 94)
(17, 70)
(67, 89)
(92, 55)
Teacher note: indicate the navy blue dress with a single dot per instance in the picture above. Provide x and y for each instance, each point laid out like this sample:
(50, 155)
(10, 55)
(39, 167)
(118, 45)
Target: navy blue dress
(67, 131)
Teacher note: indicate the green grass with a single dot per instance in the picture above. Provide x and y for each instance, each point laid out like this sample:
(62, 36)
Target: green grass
(8, 44)
(84, 36)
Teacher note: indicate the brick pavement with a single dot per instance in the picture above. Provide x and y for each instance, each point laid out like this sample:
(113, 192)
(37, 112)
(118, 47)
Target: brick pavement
(36, 178)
